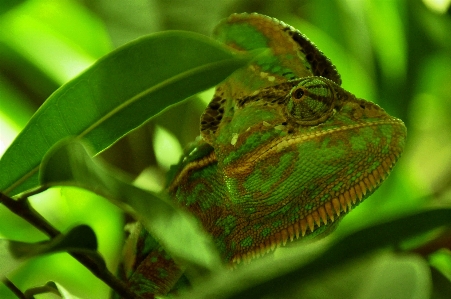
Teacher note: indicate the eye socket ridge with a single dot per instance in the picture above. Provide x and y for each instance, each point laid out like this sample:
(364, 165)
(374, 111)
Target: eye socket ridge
(311, 101)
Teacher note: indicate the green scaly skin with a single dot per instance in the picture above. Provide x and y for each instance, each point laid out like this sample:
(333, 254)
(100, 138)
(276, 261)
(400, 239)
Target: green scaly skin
(284, 152)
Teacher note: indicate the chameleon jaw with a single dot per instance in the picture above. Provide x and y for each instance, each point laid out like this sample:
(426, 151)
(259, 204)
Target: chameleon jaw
(326, 214)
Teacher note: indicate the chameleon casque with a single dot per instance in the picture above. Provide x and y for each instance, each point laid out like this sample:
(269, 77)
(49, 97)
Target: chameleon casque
(284, 153)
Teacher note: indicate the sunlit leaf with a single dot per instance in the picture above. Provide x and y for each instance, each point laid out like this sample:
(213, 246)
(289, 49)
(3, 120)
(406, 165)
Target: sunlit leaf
(65, 293)
(117, 94)
(167, 148)
(58, 38)
(14, 113)
(68, 163)
(14, 253)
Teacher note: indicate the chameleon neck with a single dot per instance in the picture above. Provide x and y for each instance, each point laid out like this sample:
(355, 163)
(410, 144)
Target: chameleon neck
(200, 188)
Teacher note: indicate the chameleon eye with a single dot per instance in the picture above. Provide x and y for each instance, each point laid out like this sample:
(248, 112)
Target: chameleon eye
(311, 101)
(298, 93)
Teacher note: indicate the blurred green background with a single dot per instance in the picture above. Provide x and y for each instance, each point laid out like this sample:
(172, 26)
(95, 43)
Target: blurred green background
(396, 53)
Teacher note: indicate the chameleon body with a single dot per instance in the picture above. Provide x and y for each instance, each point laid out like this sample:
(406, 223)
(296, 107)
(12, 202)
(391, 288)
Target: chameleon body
(284, 153)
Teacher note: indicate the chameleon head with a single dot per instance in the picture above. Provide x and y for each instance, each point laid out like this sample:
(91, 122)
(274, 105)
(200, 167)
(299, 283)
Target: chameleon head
(296, 157)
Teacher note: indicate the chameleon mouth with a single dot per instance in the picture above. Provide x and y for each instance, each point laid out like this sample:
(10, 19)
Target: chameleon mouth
(328, 213)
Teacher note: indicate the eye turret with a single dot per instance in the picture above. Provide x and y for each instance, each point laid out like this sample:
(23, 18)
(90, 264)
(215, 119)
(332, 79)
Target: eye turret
(311, 101)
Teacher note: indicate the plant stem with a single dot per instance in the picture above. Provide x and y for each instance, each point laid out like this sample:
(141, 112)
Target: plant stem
(10, 285)
(49, 287)
(440, 242)
(23, 209)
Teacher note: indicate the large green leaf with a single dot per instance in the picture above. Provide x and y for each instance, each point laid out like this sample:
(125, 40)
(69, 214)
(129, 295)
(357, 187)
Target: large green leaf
(380, 275)
(69, 164)
(117, 94)
(79, 239)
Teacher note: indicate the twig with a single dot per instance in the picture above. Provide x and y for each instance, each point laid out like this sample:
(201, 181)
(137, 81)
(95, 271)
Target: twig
(22, 208)
(440, 242)
(13, 288)
(49, 287)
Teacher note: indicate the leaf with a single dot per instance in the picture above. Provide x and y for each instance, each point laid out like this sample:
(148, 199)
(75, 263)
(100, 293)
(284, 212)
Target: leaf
(114, 96)
(14, 112)
(278, 278)
(65, 294)
(43, 44)
(49, 287)
(442, 284)
(381, 274)
(401, 277)
(69, 164)
(5, 6)
(79, 239)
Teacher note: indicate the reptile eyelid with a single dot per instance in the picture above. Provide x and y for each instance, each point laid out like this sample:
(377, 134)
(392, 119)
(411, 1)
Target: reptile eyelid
(311, 102)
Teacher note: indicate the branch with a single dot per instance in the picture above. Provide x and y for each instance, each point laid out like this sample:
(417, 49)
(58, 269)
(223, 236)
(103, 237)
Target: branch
(440, 242)
(23, 209)
(49, 287)
(13, 288)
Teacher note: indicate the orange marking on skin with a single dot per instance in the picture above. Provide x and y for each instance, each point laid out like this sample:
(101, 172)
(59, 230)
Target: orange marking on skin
(303, 223)
(372, 180)
(368, 185)
(268, 245)
(321, 216)
(278, 238)
(352, 194)
(336, 205)
(284, 237)
(363, 187)
(316, 218)
(358, 192)
(322, 213)
(329, 211)
(280, 144)
(273, 243)
(290, 230)
(195, 165)
(310, 222)
(393, 158)
(376, 176)
(348, 199)
(343, 202)
(382, 173)
(296, 230)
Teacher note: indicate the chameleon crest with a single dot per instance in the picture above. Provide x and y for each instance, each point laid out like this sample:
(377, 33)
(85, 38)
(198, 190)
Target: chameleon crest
(284, 152)
(289, 55)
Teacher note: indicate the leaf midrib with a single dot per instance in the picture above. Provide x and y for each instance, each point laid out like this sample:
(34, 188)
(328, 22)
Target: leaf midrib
(121, 107)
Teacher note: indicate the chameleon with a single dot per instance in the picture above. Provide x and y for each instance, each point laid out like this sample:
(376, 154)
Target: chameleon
(284, 153)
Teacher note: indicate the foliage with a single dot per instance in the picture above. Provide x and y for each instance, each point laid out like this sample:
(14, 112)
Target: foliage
(395, 53)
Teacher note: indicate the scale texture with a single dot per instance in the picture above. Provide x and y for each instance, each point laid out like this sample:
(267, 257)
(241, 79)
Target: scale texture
(284, 153)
